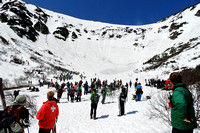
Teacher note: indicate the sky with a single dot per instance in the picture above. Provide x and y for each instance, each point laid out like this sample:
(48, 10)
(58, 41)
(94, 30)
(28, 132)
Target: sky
(124, 12)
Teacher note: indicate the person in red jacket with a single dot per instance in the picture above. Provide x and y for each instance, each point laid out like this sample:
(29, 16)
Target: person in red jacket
(48, 114)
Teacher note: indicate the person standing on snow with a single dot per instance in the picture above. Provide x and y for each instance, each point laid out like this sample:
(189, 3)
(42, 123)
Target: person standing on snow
(79, 92)
(122, 100)
(94, 101)
(86, 88)
(59, 93)
(48, 114)
(104, 91)
(182, 111)
(130, 83)
(136, 82)
(139, 92)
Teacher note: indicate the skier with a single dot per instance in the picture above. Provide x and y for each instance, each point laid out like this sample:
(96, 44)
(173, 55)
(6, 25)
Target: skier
(94, 101)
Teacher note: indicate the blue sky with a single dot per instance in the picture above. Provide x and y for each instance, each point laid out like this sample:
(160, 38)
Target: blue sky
(125, 12)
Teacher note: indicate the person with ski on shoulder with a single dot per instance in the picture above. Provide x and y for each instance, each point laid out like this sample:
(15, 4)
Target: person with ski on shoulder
(94, 101)
(183, 118)
(48, 114)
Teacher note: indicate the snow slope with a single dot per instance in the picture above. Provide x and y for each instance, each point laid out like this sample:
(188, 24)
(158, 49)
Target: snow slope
(101, 50)
(106, 49)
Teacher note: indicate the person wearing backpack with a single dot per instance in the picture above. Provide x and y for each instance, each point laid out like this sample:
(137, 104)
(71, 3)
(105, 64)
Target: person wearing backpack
(48, 114)
(94, 101)
(182, 112)
(139, 92)
(16, 117)
(122, 100)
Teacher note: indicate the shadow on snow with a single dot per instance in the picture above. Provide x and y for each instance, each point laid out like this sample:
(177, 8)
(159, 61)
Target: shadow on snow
(103, 116)
(132, 112)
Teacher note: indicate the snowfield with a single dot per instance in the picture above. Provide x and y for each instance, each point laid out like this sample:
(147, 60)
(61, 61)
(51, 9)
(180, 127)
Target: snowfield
(101, 50)
(75, 117)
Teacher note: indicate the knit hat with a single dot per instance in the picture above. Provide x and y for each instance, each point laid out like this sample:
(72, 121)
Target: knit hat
(50, 95)
(20, 100)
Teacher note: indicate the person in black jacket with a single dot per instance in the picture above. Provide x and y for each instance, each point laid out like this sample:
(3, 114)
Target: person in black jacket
(122, 99)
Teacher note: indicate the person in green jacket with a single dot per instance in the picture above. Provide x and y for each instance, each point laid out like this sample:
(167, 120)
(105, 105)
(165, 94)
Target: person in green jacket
(182, 112)
(94, 101)
(104, 91)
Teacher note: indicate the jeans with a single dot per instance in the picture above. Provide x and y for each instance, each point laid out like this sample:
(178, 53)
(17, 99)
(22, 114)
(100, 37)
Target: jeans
(138, 97)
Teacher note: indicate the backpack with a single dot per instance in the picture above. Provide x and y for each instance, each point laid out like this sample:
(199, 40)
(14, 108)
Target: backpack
(95, 98)
(123, 97)
(10, 120)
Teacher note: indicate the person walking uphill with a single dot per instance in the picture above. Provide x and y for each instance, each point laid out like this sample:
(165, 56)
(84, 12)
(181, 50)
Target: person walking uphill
(48, 114)
(182, 112)
(94, 101)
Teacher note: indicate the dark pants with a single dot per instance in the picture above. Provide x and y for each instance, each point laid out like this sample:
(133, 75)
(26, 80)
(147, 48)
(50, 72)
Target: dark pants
(121, 107)
(72, 97)
(68, 96)
(41, 130)
(103, 99)
(93, 108)
(174, 130)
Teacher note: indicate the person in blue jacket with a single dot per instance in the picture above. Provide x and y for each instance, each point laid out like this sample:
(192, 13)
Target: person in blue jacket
(139, 92)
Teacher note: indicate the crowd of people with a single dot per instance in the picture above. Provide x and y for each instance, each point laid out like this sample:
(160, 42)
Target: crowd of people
(181, 102)
(160, 84)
